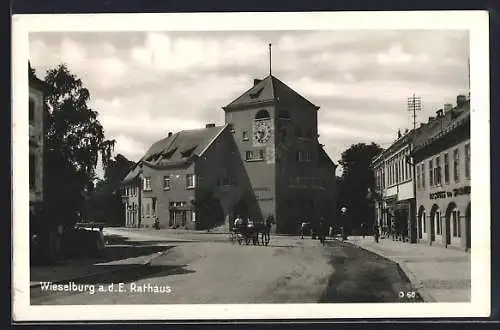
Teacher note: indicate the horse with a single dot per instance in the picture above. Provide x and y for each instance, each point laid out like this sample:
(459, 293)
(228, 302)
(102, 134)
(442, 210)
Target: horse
(262, 229)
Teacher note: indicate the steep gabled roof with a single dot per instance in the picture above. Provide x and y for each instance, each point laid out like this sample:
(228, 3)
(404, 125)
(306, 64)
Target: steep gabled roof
(270, 89)
(181, 147)
(177, 149)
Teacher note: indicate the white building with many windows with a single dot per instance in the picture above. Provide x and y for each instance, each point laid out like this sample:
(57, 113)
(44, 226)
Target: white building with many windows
(443, 187)
(394, 188)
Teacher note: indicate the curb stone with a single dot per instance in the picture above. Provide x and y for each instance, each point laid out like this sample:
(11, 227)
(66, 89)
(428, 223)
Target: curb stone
(415, 282)
(96, 274)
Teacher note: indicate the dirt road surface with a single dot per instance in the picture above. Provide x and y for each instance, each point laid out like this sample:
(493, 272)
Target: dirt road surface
(204, 271)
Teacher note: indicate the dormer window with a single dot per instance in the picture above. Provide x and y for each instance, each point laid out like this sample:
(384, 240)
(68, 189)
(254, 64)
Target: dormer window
(188, 152)
(169, 153)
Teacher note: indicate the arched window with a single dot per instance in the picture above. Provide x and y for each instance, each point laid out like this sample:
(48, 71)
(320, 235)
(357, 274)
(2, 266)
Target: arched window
(262, 114)
(284, 114)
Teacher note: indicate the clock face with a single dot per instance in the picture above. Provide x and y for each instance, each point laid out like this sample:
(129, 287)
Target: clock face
(262, 132)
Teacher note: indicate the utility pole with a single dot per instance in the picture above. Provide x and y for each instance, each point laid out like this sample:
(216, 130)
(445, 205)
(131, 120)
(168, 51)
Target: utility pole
(414, 105)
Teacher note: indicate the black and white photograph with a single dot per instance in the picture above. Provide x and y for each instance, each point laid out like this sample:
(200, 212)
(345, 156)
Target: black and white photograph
(251, 166)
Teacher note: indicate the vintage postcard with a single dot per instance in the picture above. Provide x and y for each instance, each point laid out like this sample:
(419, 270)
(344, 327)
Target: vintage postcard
(246, 166)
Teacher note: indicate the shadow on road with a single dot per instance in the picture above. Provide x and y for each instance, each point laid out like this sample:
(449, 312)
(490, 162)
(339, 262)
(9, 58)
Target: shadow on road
(364, 277)
(120, 240)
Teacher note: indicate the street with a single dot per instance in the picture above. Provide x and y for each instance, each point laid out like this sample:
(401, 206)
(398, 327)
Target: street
(205, 268)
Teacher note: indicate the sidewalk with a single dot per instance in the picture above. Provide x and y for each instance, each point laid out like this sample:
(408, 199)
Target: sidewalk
(439, 274)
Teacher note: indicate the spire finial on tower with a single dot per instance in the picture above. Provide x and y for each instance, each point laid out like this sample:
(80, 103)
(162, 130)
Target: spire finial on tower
(270, 58)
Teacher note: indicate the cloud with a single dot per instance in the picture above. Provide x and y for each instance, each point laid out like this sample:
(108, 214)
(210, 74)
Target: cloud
(395, 55)
(161, 51)
(146, 84)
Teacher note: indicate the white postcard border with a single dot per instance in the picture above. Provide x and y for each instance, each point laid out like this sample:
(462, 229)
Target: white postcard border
(474, 21)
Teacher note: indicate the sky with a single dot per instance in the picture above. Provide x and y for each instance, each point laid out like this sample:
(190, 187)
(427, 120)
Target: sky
(146, 84)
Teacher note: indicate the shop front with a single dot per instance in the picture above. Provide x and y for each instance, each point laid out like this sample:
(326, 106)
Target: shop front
(444, 218)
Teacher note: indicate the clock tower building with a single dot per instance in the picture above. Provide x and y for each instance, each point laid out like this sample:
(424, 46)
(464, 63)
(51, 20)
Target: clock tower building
(286, 172)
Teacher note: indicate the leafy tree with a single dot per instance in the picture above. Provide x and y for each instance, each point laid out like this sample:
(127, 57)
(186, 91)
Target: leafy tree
(105, 204)
(74, 140)
(357, 178)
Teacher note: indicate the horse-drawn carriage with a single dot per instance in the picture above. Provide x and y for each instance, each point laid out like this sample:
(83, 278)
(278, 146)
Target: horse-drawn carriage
(256, 232)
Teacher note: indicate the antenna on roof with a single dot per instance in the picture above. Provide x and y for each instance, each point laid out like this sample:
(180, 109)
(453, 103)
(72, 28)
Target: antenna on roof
(270, 57)
(414, 105)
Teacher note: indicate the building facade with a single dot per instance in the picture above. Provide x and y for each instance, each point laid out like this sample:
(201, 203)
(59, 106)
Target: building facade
(36, 142)
(442, 158)
(394, 187)
(265, 160)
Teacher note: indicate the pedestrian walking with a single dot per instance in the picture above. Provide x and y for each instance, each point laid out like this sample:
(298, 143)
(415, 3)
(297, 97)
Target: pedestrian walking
(330, 231)
(321, 231)
(363, 230)
(375, 233)
(303, 227)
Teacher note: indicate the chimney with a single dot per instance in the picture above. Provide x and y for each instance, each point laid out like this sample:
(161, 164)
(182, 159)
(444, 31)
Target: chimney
(448, 107)
(461, 99)
(399, 133)
(169, 134)
(406, 131)
(256, 81)
(439, 113)
(209, 125)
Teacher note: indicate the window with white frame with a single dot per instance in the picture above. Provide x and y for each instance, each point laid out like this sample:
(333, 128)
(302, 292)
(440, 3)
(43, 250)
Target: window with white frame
(404, 165)
(166, 182)
(147, 183)
(304, 156)
(467, 161)
(418, 176)
(190, 181)
(456, 165)
(423, 175)
(446, 169)
(437, 171)
(397, 171)
(431, 174)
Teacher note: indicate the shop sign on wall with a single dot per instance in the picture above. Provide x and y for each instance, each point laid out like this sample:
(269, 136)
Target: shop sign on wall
(449, 194)
(262, 194)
